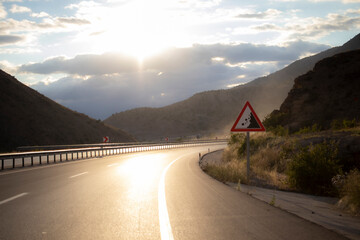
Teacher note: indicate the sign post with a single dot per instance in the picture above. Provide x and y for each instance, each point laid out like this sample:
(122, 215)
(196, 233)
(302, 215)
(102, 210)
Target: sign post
(248, 121)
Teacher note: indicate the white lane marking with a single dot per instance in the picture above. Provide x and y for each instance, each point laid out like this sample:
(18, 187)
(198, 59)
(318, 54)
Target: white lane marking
(77, 175)
(114, 164)
(165, 226)
(13, 198)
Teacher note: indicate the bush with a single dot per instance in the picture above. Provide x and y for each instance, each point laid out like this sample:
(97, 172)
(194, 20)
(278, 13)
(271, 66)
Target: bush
(345, 123)
(314, 128)
(274, 123)
(279, 131)
(275, 119)
(336, 124)
(236, 138)
(256, 142)
(313, 167)
(349, 123)
(350, 191)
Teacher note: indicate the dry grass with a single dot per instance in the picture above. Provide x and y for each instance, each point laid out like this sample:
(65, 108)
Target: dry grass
(272, 158)
(268, 166)
(350, 192)
(233, 171)
(266, 163)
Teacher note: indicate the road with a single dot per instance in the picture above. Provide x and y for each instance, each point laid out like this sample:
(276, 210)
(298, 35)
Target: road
(149, 195)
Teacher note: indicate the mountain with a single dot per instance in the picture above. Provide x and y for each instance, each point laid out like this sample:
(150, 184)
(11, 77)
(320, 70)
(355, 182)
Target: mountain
(328, 93)
(28, 118)
(214, 112)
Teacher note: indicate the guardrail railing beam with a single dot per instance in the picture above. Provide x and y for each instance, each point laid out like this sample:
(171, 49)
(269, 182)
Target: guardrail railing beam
(90, 152)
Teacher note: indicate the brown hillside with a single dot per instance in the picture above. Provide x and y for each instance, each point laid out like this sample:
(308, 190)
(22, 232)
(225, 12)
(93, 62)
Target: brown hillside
(330, 92)
(28, 118)
(214, 112)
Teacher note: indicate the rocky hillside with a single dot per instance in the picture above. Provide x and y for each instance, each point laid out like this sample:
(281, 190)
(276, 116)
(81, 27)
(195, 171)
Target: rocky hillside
(28, 118)
(214, 112)
(330, 92)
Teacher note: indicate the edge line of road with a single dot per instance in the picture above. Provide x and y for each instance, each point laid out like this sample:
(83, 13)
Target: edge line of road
(165, 226)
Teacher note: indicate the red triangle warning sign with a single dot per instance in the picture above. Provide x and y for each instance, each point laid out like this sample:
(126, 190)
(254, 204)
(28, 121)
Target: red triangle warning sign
(248, 121)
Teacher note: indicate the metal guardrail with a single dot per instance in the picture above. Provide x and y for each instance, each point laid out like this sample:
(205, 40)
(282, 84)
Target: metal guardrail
(24, 159)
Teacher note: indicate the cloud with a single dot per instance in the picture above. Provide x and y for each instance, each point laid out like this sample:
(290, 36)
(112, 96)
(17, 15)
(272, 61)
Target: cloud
(72, 20)
(19, 9)
(270, 13)
(173, 59)
(10, 39)
(3, 12)
(40, 15)
(343, 1)
(314, 27)
(89, 64)
(7, 67)
(200, 3)
(48, 24)
(100, 85)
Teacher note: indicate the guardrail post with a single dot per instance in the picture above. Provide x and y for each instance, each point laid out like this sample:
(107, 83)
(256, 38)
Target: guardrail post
(40, 159)
(47, 158)
(13, 162)
(60, 157)
(2, 164)
(23, 162)
(67, 158)
(32, 160)
(54, 158)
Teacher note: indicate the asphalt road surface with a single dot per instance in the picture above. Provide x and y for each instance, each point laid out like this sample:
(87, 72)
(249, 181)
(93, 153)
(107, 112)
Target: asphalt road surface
(149, 195)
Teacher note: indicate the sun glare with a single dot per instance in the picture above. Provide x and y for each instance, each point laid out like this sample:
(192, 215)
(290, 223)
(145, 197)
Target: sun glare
(141, 169)
(140, 29)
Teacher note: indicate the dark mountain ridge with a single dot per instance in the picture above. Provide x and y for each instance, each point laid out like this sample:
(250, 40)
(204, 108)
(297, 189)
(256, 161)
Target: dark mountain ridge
(328, 93)
(28, 118)
(213, 112)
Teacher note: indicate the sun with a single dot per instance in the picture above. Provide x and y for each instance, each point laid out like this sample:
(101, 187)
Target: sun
(140, 29)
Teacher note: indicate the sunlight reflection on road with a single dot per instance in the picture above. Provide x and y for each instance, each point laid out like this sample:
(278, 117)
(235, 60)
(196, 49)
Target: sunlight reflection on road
(142, 173)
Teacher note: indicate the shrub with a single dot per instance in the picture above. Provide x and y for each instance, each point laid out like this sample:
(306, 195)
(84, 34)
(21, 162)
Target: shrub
(345, 123)
(275, 119)
(349, 123)
(256, 142)
(236, 138)
(350, 191)
(314, 128)
(336, 124)
(280, 131)
(313, 167)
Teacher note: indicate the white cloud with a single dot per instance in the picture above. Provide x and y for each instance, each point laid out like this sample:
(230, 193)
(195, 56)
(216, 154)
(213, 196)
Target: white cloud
(270, 13)
(8, 67)
(11, 0)
(19, 9)
(3, 12)
(313, 28)
(200, 3)
(99, 81)
(40, 15)
(343, 1)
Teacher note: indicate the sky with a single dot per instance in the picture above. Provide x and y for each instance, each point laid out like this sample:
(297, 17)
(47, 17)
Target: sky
(106, 56)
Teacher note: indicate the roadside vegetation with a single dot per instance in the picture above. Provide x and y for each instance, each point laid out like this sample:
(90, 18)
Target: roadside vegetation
(311, 160)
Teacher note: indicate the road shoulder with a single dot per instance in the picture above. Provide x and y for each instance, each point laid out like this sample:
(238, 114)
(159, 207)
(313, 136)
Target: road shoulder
(319, 210)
